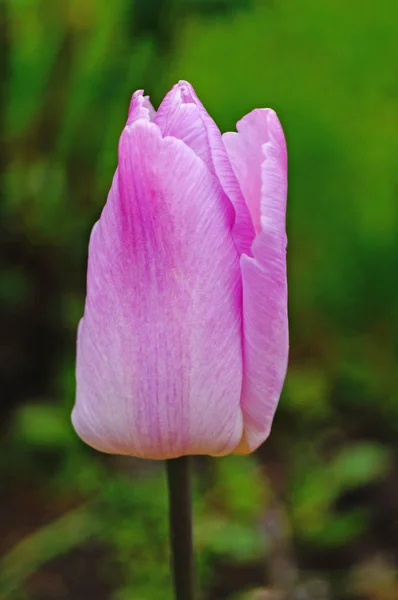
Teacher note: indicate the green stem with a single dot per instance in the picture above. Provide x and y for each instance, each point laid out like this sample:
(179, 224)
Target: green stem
(180, 515)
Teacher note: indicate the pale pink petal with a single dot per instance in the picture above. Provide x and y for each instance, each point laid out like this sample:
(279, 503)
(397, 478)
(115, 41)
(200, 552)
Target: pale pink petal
(265, 321)
(159, 364)
(245, 151)
(179, 117)
(182, 115)
(140, 108)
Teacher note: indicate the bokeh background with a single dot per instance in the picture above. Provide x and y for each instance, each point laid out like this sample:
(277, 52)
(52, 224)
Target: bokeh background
(314, 513)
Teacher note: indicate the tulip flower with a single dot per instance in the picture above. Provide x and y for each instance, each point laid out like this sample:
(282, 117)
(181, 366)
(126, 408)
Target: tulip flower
(183, 345)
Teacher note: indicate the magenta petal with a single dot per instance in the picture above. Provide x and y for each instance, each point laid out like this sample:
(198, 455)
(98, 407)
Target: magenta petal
(159, 364)
(265, 320)
(140, 108)
(179, 117)
(245, 151)
(182, 115)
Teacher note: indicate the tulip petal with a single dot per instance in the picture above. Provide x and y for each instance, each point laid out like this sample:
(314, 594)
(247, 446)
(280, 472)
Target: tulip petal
(258, 156)
(159, 364)
(179, 117)
(182, 115)
(140, 108)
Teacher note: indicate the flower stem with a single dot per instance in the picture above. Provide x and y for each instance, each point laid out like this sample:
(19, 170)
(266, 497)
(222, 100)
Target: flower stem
(180, 515)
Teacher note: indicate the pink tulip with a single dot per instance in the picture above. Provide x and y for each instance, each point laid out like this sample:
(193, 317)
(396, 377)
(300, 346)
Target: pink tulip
(184, 341)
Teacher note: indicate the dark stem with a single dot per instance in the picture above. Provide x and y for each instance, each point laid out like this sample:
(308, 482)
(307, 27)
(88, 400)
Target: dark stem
(180, 515)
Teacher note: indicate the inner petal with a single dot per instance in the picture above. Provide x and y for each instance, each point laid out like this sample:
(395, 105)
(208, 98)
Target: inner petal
(245, 152)
(179, 117)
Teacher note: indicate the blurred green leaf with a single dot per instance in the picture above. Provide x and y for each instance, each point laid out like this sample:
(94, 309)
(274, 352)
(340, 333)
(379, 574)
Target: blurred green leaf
(37, 35)
(307, 393)
(360, 464)
(53, 540)
(43, 426)
(320, 486)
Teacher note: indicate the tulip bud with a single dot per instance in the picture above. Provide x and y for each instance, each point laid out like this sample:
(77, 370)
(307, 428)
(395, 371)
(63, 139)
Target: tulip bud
(183, 345)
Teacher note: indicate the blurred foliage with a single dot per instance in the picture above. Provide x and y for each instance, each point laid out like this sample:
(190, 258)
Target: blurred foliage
(321, 496)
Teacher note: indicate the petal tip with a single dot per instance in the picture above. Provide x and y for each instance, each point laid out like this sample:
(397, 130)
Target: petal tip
(185, 92)
(140, 108)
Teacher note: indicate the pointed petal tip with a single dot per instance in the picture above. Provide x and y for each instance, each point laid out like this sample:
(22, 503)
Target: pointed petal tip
(185, 92)
(140, 108)
(183, 84)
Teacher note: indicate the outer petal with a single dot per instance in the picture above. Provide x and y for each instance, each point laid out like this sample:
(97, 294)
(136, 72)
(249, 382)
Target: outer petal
(159, 365)
(258, 153)
(182, 115)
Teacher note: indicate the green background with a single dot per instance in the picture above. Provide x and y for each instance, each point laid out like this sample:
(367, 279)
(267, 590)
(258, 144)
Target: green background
(315, 511)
